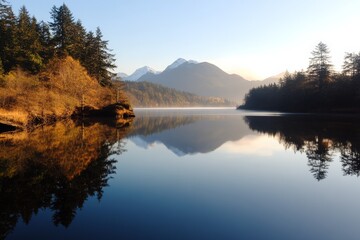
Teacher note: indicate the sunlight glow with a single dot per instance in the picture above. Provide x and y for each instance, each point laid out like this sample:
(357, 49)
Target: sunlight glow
(258, 145)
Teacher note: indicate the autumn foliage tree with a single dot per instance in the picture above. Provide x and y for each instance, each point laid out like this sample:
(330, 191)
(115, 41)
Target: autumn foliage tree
(48, 70)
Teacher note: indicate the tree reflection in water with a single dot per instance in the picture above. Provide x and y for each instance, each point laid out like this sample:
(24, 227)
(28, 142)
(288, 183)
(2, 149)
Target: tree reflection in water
(319, 137)
(56, 167)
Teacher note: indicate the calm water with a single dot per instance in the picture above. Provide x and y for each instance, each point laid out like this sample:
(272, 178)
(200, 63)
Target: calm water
(184, 174)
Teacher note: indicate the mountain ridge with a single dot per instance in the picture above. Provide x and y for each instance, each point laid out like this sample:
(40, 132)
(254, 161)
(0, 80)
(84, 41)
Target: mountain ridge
(203, 79)
(138, 73)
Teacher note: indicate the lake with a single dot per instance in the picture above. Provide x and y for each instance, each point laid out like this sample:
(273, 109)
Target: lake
(184, 174)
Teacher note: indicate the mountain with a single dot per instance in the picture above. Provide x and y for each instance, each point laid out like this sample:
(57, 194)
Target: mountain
(204, 79)
(121, 75)
(140, 72)
(273, 79)
(145, 94)
(179, 62)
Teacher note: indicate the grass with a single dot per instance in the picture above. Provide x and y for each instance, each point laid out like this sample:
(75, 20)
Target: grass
(54, 93)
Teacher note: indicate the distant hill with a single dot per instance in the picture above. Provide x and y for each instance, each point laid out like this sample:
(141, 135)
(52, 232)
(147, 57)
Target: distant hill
(121, 75)
(145, 94)
(273, 79)
(203, 79)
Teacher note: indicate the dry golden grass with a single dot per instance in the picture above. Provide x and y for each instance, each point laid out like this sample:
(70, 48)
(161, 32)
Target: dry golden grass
(53, 93)
(15, 117)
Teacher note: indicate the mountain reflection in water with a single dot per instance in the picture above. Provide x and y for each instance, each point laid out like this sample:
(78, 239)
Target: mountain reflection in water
(319, 137)
(188, 133)
(218, 174)
(56, 167)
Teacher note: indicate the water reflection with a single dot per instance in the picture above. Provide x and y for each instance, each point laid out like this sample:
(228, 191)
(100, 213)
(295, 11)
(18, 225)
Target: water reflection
(55, 167)
(186, 134)
(321, 138)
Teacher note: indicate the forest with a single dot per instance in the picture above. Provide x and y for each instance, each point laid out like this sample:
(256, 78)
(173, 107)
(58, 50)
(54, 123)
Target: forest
(146, 94)
(318, 89)
(47, 70)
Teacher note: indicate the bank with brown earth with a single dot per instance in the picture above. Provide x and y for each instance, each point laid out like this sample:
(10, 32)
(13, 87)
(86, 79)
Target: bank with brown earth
(63, 90)
(121, 113)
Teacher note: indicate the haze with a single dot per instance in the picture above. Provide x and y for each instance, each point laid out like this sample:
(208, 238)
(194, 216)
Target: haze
(255, 39)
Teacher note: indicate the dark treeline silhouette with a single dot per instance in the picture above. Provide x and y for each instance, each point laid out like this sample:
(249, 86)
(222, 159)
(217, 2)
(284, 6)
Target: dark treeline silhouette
(30, 44)
(319, 137)
(319, 89)
(55, 167)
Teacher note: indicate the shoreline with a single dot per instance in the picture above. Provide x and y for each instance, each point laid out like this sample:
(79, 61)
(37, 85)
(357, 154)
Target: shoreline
(113, 112)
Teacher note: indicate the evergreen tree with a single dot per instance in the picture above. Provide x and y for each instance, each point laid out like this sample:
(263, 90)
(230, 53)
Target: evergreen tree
(62, 27)
(47, 47)
(77, 49)
(98, 58)
(3, 7)
(1, 68)
(28, 44)
(105, 60)
(351, 65)
(88, 61)
(320, 67)
(7, 37)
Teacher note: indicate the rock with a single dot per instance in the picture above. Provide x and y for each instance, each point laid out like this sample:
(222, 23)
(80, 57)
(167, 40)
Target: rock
(117, 110)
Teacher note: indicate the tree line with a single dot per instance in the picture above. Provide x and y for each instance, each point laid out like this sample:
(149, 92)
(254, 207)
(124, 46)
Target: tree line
(30, 44)
(318, 89)
(146, 94)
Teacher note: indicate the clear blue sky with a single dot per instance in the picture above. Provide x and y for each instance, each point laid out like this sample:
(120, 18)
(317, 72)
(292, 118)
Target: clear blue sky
(253, 38)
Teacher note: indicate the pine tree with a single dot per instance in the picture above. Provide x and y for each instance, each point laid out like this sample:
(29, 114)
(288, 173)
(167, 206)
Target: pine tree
(1, 68)
(320, 67)
(99, 60)
(28, 45)
(105, 60)
(77, 49)
(7, 37)
(351, 65)
(3, 7)
(63, 27)
(47, 47)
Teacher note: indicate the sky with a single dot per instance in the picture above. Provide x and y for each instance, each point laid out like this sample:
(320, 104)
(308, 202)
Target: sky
(253, 38)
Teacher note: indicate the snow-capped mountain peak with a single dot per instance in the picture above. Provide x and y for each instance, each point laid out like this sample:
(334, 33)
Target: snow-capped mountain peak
(141, 72)
(179, 62)
(121, 75)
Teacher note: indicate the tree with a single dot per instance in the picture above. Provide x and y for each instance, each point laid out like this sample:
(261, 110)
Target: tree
(7, 37)
(98, 58)
(77, 49)
(3, 7)
(28, 45)
(1, 68)
(47, 47)
(62, 27)
(351, 66)
(320, 67)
